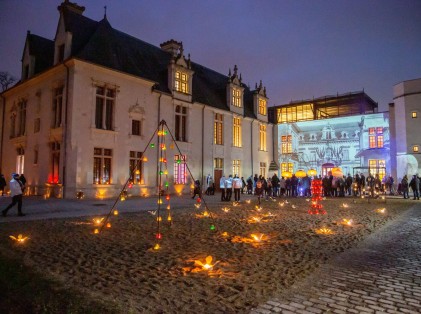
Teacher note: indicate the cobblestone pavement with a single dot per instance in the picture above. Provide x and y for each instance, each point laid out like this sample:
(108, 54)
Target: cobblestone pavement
(381, 275)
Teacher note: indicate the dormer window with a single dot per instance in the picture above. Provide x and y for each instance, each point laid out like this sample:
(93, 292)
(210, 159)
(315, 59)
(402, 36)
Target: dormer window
(236, 97)
(181, 82)
(262, 107)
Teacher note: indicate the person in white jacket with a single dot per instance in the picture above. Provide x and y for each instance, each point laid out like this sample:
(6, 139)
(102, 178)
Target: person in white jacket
(16, 192)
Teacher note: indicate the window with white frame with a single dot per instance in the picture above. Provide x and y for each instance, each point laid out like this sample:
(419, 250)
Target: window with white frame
(180, 169)
(102, 165)
(20, 160)
(236, 167)
(236, 97)
(262, 171)
(181, 123)
(218, 163)
(287, 166)
(262, 137)
(181, 82)
(286, 144)
(136, 167)
(218, 129)
(262, 107)
(104, 109)
(57, 107)
(376, 138)
(237, 132)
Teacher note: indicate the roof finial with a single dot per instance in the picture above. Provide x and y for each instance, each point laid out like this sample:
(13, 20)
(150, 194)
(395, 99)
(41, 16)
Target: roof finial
(105, 11)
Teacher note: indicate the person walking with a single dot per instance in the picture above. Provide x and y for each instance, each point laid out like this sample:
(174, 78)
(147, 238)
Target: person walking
(197, 189)
(2, 184)
(16, 193)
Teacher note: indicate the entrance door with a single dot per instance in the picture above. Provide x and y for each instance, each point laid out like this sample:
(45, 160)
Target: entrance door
(217, 175)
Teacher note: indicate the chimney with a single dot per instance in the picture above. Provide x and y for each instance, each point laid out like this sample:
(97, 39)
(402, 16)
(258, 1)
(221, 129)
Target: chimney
(172, 47)
(70, 6)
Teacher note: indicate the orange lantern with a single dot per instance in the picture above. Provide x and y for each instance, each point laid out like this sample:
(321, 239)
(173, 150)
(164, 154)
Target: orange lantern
(286, 174)
(312, 172)
(300, 174)
(337, 172)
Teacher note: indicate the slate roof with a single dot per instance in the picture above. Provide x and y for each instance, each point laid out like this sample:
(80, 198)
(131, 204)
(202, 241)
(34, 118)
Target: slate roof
(99, 43)
(43, 51)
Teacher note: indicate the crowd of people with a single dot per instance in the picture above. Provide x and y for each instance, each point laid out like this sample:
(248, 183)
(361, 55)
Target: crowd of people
(357, 185)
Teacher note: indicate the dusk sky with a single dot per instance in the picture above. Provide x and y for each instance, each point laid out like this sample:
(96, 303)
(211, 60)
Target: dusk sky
(299, 49)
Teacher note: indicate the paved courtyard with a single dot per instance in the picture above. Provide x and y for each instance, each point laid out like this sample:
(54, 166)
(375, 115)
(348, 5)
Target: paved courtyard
(382, 275)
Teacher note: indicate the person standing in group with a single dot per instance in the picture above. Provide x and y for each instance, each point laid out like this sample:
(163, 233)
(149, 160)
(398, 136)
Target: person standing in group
(405, 186)
(275, 185)
(229, 188)
(2, 184)
(415, 186)
(238, 185)
(197, 189)
(16, 193)
(223, 187)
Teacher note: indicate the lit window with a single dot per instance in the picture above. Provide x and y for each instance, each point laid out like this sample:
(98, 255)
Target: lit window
(136, 167)
(262, 137)
(236, 167)
(218, 129)
(218, 163)
(415, 148)
(377, 166)
(57, 107)
(414, 114)
(104, 110)
(263, 169)
(136, 127)
(236, 97)
(376, 138)
(180, 174)
(20, 160)
(181, 123)
(181, 82)
(102, 165)
(262, 107)
(286, 144)
(237, 132)
(287, 166)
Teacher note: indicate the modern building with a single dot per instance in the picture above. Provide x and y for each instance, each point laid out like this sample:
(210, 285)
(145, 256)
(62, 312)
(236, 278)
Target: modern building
(405, 126)
(333, 131)
(89, 101)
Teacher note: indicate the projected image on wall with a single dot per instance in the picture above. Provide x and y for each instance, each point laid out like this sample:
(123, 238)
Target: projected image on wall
(357, 144)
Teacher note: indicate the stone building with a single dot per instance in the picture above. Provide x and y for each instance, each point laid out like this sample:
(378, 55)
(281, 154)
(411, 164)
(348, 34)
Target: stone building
(90, 99)
(405, 126)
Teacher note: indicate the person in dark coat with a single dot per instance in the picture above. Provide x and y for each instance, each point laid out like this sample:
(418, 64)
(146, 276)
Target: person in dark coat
(2, 184)
(405, 187)
(415, 186)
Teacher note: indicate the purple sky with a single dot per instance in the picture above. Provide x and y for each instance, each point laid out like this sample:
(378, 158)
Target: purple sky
(299, 48)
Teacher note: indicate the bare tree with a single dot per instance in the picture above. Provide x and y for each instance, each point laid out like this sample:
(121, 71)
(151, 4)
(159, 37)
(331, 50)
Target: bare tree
(6, 79)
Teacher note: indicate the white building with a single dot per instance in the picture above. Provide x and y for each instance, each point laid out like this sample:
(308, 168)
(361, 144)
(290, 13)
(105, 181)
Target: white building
(405, 125)
(333, 131)
(90, 99)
